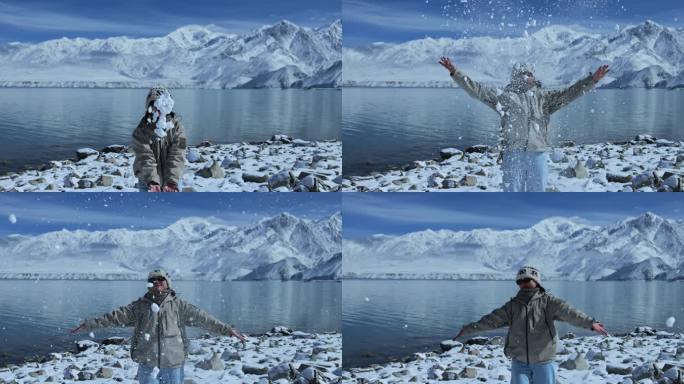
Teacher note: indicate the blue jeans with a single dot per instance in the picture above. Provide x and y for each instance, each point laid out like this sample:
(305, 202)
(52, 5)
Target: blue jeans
(534, 373)
(524, 171)
(165, 376)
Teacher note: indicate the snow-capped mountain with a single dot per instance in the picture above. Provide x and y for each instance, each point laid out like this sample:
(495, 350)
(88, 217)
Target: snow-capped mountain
(278, 55)
(647, 55)
(562, 248)
(191, 248)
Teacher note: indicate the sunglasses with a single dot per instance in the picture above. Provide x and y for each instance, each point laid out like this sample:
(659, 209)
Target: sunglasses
(156, 279)
(523, 281)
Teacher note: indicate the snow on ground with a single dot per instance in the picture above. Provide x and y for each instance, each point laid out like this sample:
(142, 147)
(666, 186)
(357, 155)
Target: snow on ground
(643, 356)
(644, 164)
(281, 356)
(281, 164)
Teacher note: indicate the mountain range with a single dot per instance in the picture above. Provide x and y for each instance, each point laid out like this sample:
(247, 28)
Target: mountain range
(283, 247)
(647, 55)
(647, 247)
(282, 55)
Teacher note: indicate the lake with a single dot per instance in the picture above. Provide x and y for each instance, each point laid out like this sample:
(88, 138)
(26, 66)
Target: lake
(386, 127)
(43, 124)
(386, 319)
(36, 316)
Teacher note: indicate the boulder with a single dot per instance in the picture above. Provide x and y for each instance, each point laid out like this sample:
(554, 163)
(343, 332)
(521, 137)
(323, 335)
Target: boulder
(214, 171)
(83, 153)
(448, 153)
(213, 364)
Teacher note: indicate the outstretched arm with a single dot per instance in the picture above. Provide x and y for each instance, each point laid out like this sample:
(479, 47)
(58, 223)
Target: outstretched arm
(121, 317)
(564, 312)
(195, 317)
(498, 318)
(555, 100)
(475, 89)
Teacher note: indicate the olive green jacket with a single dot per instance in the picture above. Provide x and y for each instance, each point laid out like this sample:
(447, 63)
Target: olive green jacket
(524, 115)
(530, 317)
(159, 338)
(159, 160)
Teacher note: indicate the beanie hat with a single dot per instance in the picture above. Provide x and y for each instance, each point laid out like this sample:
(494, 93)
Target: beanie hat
(528, 272)
(157, 273)
(154, 94)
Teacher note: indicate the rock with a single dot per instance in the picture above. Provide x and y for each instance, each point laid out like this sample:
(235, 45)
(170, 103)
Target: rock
(578, 363)
(282, 371)
(85, 184)
(450, 183)
(212, 172)
(447, 345)
(619, 178)
(643, 180)
(477, 341)
(254, 178)
(84, 153)
(193, 155)
(580, 171)
(38, 373)
(83, 376)
(567, 144)
(478, 149)
(205, 144)
(105, 181)
(194, 348)
(568, 336)
(648, 139)
(213, 364)
(40, 180)
(646, 371)
(281, 179)
(231, 355)
(116, 340)
(469, 181)
(448, 153)
(618, 370)
(85, 345)
(468, 373)
(302, 335)
(230, 163)
(104, 373)
(116, 148)
(301, 143)
(285, 139)
(254, 370)
(594, 163)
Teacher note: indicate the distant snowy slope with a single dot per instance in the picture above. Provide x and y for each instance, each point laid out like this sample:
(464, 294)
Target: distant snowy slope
(562, 248)
(645, 55)
(192, 248)
(192, 56)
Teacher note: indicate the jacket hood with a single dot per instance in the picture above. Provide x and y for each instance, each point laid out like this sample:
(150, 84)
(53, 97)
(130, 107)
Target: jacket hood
(519, 83)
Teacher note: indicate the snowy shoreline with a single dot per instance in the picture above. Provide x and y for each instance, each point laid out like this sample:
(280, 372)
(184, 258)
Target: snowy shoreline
(281, 164)
(645, 164)
(644, 354)
(280, 355)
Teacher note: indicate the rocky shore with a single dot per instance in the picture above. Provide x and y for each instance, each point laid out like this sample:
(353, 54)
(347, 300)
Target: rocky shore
(645, 164)
(643, 356)
(281, 164)
(282, 356)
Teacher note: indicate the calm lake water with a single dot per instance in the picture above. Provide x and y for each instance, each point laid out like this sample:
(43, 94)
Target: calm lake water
(383, 319)
(384, 127)
(39, 125)
(36, 316)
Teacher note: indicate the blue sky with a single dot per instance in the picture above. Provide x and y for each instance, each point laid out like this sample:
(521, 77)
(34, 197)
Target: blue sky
(367, 21)
(39, 20)
(40, 213)
(399, 213)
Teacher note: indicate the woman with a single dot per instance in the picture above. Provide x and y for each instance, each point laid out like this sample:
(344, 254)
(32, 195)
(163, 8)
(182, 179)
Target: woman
(531, 340)
(159, 338)
(525, 109)
(159, 145)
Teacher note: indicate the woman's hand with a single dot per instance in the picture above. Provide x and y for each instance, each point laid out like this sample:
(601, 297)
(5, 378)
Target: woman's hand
(78, 329)
(598, 328)
(446, 63)
(171, 187)
(238, 335)
(600, 73)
